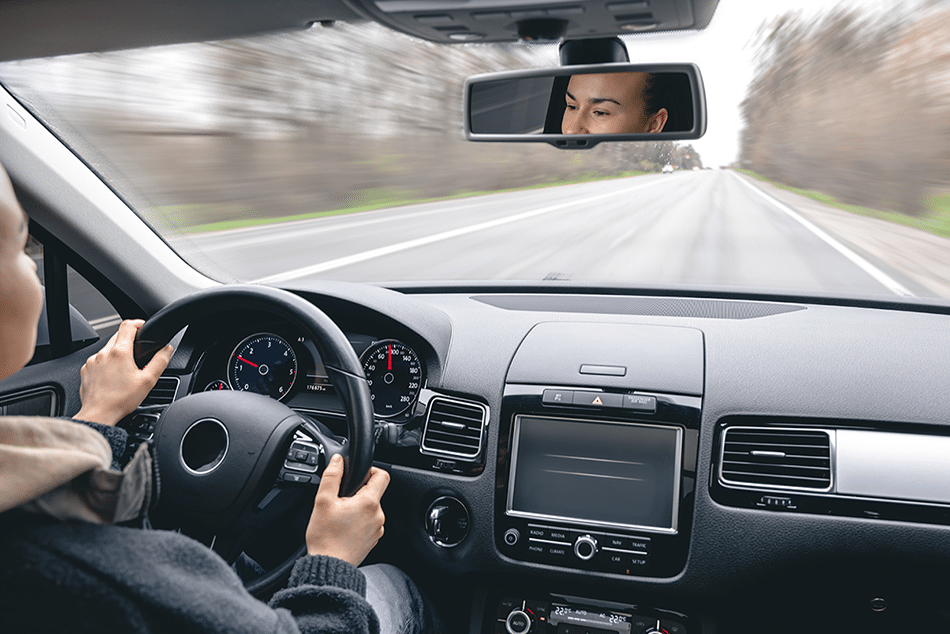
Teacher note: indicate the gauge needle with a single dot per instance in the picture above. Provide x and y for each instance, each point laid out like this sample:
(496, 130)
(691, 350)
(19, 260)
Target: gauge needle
(250, 363)
(389, 357)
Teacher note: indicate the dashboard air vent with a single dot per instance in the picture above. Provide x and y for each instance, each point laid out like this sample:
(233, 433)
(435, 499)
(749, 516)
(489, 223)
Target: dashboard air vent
(784, 458)
(454, 428)
(163, 393)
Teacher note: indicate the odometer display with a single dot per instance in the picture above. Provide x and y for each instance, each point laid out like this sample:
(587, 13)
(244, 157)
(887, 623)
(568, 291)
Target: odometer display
(394, 374)
(265, 364)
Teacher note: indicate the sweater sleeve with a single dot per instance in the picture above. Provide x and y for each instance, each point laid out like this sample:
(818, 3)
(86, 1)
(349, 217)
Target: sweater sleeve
(117, 438)
(327, 595)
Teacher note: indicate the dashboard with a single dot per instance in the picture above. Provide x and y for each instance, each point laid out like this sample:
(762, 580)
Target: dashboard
(602, 462)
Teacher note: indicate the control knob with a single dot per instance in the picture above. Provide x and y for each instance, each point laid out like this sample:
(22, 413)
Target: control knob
(518, 622)
(585, 547)
(656, 629)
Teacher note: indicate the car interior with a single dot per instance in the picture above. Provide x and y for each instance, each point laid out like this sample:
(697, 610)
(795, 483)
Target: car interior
(566, 457)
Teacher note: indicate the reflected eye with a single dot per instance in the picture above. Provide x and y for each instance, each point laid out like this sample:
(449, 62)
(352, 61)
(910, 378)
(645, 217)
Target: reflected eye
(600, 113)
(570, 107)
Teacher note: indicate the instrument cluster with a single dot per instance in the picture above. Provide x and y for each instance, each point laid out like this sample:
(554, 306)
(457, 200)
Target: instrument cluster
(286, 366)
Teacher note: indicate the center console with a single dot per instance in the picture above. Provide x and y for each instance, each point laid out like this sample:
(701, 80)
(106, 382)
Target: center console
(596, 487)
(596, 472)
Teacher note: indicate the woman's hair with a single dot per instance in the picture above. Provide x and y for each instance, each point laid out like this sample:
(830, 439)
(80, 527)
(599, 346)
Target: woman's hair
(670, 91)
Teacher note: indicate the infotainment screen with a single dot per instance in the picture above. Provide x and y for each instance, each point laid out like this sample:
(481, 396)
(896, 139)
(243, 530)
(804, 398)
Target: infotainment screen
(597, 473)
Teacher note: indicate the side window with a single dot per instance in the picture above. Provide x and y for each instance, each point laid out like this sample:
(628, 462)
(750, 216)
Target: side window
(75, 314)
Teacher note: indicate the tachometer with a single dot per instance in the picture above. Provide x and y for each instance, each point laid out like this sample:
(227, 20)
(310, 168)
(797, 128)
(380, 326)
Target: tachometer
(265, 364)
(394, 374)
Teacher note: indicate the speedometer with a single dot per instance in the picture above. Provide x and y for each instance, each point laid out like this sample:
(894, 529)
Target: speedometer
(394, 374)
(265, 364)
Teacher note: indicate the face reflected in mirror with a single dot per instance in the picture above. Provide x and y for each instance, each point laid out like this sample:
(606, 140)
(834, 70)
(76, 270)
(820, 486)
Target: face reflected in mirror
(613, 103)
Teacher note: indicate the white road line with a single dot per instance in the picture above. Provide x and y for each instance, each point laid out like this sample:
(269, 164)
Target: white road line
(887, 281)
(438, 237)
(106, 322)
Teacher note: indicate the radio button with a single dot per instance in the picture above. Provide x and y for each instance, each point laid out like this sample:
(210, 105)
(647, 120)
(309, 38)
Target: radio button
(616, 561)
(637, 562)
(615, 541)
(538, 532)
(559, 535)
(628, 544)
(557, 552)
(640, 544)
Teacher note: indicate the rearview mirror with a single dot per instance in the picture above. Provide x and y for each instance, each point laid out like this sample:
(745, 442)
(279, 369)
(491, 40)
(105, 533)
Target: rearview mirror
(577, 107)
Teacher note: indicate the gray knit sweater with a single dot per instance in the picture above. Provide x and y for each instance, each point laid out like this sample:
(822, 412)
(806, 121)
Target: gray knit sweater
(75, 576)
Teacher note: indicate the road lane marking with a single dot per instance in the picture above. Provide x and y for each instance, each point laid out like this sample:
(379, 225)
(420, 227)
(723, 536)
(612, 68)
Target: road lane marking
(275, 232)
(356, 258)
(104, 323)
(883, 278)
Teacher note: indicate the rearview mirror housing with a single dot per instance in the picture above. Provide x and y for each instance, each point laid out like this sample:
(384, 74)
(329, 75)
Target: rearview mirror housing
(579, 106)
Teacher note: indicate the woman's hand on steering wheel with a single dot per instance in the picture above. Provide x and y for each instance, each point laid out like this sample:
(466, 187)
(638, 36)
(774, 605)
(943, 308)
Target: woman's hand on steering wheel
(346, 527)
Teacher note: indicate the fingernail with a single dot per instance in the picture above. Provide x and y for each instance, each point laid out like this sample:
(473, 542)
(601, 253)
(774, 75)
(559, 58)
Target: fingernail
(336, 458)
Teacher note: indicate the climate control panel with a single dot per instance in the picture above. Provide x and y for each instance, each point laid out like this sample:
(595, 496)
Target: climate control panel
(517, 615)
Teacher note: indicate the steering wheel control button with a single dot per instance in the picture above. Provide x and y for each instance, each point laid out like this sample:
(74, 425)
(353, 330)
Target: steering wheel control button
(512, 537)
(447, 522)
(302, 456)
(518, 622)
(557, 397)
(585, 547)
(298, 478)
(639, 403)
(598, 399)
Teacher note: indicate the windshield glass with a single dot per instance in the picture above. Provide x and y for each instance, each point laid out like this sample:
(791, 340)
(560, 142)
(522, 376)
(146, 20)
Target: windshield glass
(338, 153)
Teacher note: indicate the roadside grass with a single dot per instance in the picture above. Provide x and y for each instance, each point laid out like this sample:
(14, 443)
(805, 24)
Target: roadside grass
(178, 214)
(936, 222)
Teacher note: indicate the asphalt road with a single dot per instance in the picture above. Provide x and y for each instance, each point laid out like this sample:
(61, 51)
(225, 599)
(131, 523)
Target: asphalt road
(710, 227)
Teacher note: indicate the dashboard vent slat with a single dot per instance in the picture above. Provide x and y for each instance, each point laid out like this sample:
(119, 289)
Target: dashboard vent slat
(784, 458)
(454, 428)
(163, 394)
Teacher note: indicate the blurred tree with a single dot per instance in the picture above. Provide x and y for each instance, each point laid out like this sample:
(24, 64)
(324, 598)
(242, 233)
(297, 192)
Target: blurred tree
(852, 105)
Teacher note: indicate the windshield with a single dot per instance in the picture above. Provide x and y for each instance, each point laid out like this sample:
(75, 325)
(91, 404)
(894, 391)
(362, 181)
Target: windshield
(338, 153)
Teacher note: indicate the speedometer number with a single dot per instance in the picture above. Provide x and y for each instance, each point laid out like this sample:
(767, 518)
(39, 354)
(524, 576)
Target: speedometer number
(265, 364)
(394, 375)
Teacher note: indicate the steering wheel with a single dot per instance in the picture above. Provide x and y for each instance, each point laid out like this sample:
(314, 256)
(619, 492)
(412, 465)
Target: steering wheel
(221, 452)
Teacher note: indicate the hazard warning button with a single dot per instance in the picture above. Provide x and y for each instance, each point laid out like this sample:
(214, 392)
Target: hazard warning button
(598, 399)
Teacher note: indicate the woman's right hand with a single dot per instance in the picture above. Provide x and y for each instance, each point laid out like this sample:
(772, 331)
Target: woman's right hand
(346, 528)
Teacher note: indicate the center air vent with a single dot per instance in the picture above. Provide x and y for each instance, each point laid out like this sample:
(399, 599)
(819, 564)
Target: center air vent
(163, 393)
(776, 458)
(454, 428)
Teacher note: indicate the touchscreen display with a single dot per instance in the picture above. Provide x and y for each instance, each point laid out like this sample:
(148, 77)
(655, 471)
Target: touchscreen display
(609, 474)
